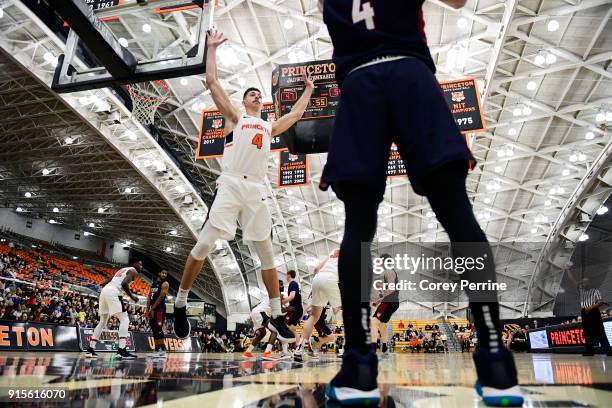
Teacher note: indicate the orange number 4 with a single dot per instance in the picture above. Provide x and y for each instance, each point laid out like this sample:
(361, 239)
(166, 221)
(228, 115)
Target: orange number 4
(258, 140)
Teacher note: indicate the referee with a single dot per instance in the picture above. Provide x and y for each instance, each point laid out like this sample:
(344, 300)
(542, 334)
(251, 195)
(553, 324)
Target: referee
(592, 325)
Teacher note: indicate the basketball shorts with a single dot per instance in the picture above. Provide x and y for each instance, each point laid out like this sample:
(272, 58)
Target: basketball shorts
(392, 102)
(157, 323)
(110, 302)
(294, 318)
(240, 200)
(325, 290)
(260, 319)
(385, 310)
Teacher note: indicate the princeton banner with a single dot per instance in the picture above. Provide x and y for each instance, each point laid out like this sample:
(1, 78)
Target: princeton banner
(211, 142)
(395, 166)
(463, 99)
(26, 336)
(292, 169)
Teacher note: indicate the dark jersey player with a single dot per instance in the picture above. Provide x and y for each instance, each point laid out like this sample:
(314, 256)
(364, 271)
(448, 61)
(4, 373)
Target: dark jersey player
(156, 312)
(386, 304)
(294, 297)
(384, 68)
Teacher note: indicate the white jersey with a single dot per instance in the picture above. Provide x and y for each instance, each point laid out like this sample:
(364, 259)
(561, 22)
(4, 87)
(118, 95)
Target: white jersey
(331, 266)
(247, 148)
(117, 280)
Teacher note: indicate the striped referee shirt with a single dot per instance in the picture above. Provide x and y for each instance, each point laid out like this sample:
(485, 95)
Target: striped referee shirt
(588, 297)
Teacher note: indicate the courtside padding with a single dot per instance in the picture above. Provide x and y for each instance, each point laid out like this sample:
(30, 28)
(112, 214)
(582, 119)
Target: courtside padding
(29, 336)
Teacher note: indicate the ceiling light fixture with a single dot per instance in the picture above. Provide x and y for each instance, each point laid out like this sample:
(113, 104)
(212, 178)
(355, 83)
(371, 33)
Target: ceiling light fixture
(553, 25)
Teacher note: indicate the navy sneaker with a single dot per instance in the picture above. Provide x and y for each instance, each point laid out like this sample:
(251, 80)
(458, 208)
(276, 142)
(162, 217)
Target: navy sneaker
(278, 326)
(355, 384)
(497, 383)
(182, 327)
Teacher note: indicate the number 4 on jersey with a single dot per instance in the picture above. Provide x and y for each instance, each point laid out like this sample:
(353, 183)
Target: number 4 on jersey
(363, 14)
(258, 140)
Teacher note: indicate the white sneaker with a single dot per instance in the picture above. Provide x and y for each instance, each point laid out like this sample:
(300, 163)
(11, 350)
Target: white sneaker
(314, 352)
(284, 356)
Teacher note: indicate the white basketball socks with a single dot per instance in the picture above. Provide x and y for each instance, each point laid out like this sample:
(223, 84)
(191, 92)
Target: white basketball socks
(275, 305)
(181, 297)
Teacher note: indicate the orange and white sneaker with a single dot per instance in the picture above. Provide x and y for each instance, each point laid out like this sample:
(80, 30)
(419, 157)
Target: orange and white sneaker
(248, 354)
(268, 355)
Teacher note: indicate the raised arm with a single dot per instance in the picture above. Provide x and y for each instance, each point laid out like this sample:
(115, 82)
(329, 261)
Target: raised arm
(231, 114)
(570, 275)
(320, 266)
(288, 120)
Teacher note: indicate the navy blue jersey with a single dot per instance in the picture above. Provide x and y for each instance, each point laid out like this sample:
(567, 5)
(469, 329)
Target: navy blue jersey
(155, 293)
(297, 300)
(362, 30)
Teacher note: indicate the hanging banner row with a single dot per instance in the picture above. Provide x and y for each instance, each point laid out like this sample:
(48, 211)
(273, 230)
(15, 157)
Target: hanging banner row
(462, 96)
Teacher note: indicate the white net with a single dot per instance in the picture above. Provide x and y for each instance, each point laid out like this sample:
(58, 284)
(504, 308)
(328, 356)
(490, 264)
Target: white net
(146, 98)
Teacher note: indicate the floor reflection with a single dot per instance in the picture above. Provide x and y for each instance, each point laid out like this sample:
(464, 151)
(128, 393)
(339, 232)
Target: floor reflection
(200, 380)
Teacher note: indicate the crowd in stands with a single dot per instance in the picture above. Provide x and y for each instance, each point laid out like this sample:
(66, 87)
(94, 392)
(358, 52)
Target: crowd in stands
(51, 271)
(429, 339)
(33, 287)
(215, 341)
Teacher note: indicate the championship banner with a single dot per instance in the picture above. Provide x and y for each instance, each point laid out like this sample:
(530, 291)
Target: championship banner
(144, 343)
(22, 336)
(101, 4)
(395, 166)
(463, 98)
(211, 142)
(292, 169)
(108, 340)
(288, 85)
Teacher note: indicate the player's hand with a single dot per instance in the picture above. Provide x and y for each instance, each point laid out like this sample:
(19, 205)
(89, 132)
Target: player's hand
(308, 82)
(214, 38)
(148, 313)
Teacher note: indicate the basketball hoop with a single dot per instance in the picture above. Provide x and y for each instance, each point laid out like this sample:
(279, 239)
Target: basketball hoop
(146, 98)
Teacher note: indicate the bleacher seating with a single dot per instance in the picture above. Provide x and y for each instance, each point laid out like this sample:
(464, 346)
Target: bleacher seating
(71, 271)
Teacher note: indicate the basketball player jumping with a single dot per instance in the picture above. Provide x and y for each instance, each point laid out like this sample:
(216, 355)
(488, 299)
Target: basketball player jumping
(385, 69)
(156, 312)
(241, 192)
(324, 290)
(110, 304)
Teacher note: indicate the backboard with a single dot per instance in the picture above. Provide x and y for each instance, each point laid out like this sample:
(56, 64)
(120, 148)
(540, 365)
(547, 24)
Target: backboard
(117, 42)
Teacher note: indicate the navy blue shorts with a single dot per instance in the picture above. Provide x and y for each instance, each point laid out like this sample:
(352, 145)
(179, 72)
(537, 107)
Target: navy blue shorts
(293, 318)
(397, 101)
